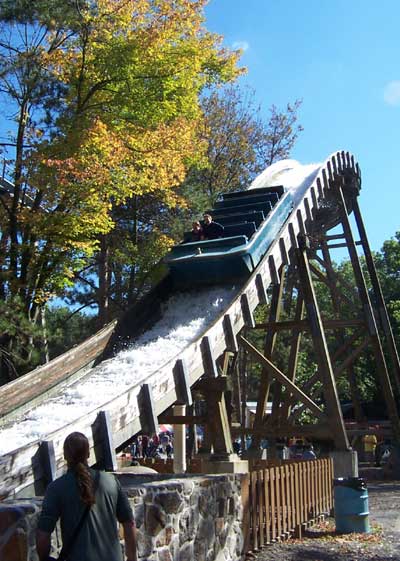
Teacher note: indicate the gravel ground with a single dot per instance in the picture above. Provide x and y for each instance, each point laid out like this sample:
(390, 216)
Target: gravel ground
(322, 544)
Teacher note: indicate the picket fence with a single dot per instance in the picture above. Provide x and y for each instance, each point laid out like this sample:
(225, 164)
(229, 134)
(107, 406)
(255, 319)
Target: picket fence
(285, 498)
(280, 497)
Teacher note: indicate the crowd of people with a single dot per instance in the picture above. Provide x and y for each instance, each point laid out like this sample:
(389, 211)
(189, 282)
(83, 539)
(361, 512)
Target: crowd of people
(286, 449)
(144, 446)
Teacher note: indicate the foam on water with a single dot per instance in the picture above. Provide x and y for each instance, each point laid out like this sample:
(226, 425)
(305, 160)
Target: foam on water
(184, 318)
(295, 177)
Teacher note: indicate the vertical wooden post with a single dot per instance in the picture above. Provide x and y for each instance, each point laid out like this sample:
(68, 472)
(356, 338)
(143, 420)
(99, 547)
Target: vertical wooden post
(260, 492)
(284, 411)
(273, 504)
(335, 303)
(321, 350)
(298, 500)
(179, 462)
(267, 503)
(44, 466)
(103, 442)
(269, 344)
(369, 317)
(278, 498)
(380, 302)
(253, 476)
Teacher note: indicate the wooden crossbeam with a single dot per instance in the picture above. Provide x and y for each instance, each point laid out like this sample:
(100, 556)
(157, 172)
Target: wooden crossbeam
(280, 376)
(341, 245)
(348, 361)
(304, 325)
(182, 420)
(321, 431)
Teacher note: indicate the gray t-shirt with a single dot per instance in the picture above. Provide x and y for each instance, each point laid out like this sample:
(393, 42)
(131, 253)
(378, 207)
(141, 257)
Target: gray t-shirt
(98, 538)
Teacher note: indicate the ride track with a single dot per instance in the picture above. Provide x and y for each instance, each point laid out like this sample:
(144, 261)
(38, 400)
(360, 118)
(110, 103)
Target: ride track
(312, 212)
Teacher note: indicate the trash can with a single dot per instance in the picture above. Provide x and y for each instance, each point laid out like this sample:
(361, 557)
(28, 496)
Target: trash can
(351, 505)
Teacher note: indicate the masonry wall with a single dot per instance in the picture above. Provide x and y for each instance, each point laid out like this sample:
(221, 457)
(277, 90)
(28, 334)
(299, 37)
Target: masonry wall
(197, 518)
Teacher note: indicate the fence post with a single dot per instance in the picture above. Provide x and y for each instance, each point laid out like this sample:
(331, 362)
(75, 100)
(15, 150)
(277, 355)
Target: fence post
(253, 477)
(260, 506)
(246, 512)
(299, 500)
(267, 502)
(273, 508)
(278, 480)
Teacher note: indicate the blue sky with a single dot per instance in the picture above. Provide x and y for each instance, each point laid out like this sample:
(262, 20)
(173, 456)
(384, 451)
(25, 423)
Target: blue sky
(342, 58)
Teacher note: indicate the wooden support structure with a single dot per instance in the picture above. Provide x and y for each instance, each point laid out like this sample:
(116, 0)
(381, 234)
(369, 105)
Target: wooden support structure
(44, 466)
(383, 317)
(282, 413)
(104, 448)
(148, 417)
(182, 383)
(335, 295)
(369, 315)
(209, 365)
(219, 434)
(269, 342)
(321, 350)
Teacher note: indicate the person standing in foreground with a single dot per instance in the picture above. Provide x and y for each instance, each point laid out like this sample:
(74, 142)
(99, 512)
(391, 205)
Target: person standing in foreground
(67, 498)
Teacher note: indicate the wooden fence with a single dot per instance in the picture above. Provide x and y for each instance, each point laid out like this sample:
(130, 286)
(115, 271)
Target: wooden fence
(283, 499)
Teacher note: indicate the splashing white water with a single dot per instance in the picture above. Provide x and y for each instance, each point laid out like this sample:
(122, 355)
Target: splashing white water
(295, 177)
(185, 317)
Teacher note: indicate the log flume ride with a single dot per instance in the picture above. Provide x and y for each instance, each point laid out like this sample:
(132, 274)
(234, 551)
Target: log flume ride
(227, 309)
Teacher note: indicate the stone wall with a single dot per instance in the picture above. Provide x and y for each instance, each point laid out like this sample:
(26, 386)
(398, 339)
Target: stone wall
(197, 518)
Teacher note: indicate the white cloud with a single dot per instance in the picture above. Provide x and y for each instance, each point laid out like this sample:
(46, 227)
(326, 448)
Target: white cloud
(240, 45)
(391, 93)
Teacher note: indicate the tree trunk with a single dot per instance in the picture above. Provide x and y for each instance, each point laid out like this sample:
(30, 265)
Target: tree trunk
(104, 283)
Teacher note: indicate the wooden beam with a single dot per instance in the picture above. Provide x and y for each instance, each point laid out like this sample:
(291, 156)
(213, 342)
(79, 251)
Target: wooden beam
(321, 431)
(182, 420)
(354, 391)
(304, 325)
(284, 411)
(148, 418)
(261, 290)
(248, 317)
(182, 383)
(369, 316)
(321, 350)
(269, 343)
(210, 368)
(276, 373)
(340, 245)
(334, 237)
(230, 337)
(44, 466)
(104, 448)
(351, 357)
(380, 302)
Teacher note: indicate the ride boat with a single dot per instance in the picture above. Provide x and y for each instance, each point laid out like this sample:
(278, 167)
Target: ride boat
(251, 220)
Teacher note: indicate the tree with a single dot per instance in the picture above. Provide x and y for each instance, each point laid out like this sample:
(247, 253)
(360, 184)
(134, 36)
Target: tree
(388, 268)
(105, 97)
(240, 144)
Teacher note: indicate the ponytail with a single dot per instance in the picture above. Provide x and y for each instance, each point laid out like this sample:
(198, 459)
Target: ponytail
(85, 484)
(76, 452)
